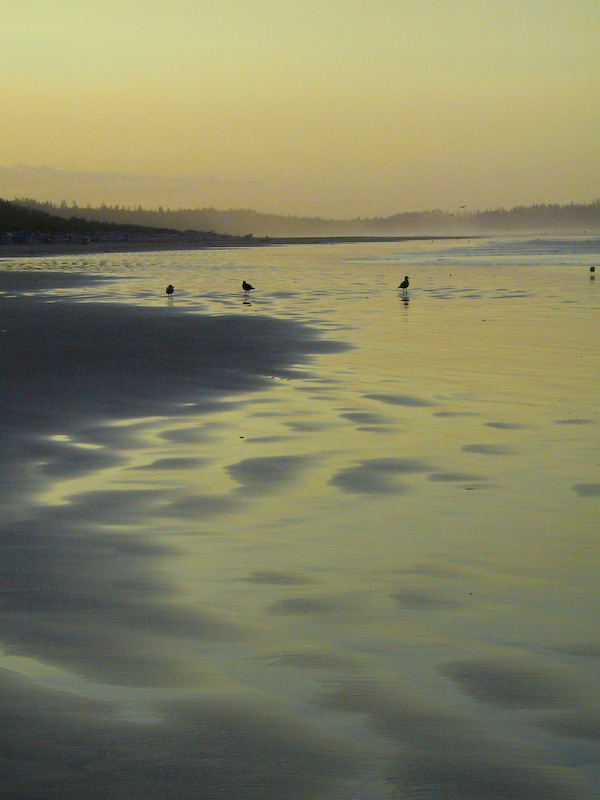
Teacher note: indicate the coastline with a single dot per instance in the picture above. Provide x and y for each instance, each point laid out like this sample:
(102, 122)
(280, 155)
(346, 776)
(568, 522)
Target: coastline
(62, 248)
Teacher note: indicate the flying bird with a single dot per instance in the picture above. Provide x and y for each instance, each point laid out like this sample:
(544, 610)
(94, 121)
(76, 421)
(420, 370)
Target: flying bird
(170, 289)
(247, 286)
(404, 284)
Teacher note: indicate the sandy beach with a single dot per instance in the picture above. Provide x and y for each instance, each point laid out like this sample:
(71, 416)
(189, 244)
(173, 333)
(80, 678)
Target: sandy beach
(68, 365)
(72, 369)
(325, 540)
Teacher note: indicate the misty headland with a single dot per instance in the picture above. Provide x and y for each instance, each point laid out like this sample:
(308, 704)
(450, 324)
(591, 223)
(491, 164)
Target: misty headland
(33, 227)
(245, 222)
(27, 228)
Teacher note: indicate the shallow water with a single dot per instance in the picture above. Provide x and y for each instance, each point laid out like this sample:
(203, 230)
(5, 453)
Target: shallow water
(374, 577)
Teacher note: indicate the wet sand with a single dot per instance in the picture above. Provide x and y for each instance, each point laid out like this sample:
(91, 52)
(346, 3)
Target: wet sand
(45, 250)
(76, 593)
(246, 555)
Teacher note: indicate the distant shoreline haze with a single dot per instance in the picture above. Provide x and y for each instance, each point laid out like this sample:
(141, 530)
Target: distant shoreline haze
(571, 218)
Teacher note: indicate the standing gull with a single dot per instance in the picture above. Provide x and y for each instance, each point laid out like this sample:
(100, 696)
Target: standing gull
(404, 284)
(170, 289)
(247, 286)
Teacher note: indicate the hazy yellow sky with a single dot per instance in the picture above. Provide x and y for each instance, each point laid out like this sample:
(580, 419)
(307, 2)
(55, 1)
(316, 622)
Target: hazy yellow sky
(311, 107)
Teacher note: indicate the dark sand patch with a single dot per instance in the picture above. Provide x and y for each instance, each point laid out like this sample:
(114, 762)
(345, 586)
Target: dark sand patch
(116, 437)
(59, 747)
(574, 421)
(583, 724)
(308, 427)
(112, 506)
(193, 435)
(276, 578)
(34, 280)
(511, 684)
(581, 650)
(77, 595)
(309, 605)
(457, 477)
(398, 466)
(587, 489)
(201, 506)
(171, 464)
(64, 459)
(489, 449)
(366, 418)
(442, 755)
(376, 428)
(506, 426)
(377, 475)
(362, 480)
(268, 439)
(258, 475)
(401, 400)
(452, 414)
(413, 600)
(315, 660)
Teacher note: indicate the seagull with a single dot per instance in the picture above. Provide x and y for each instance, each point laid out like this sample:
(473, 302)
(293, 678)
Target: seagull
(247, 286)
(170, 289)
(404, 284)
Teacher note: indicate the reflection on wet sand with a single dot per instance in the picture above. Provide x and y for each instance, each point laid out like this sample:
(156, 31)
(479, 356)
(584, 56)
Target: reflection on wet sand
(242, 554)
(76, 748)
(513, 684)
(443, 755)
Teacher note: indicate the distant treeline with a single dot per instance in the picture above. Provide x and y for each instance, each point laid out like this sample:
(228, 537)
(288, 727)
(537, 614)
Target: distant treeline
(575, 217)
(42, 217)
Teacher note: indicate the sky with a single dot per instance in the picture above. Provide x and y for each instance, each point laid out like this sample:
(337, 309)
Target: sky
(332, 108)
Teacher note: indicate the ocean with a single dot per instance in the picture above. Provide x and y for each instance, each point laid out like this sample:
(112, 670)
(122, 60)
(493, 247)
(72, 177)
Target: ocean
(325, 539)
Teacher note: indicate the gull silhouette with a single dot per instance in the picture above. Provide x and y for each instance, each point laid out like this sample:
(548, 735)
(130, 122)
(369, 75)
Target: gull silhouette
(170, 289)
(404, 284)
(247, 286)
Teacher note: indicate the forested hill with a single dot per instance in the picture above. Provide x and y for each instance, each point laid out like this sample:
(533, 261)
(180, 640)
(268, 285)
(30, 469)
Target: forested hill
(34, 223)
(36, 217)
(572, 218)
